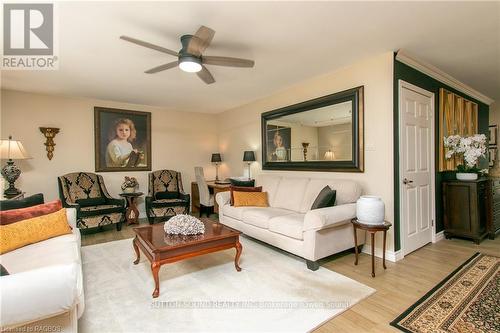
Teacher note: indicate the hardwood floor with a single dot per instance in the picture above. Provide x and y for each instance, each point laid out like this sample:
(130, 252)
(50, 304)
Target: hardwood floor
(398, 287)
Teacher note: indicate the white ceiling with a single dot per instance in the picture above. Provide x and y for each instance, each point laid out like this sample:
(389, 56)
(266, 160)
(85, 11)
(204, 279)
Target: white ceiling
(335, 114)
(289, 41)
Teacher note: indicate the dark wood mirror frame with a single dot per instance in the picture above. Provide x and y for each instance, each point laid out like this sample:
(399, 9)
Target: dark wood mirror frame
(356, 164)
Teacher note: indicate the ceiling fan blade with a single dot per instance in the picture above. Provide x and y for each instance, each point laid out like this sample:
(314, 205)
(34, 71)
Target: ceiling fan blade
(205, 75)
(162, 67)
(227, 61)
(149, 45)
(200, 40)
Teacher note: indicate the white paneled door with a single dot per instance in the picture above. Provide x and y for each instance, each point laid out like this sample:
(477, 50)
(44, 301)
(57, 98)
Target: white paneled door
(416, 160)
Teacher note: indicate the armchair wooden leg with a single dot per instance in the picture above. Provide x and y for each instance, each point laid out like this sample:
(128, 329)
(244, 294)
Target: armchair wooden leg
(119, 226)
(151, 220)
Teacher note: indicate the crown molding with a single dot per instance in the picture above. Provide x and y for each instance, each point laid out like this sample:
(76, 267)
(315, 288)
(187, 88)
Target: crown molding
(434, 72)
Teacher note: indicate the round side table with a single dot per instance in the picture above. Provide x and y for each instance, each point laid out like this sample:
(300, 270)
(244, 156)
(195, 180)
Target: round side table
(372, 229)
(132, 213)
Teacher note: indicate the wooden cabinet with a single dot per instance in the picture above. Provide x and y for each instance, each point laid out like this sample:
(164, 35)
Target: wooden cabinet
(467, 208)
(495, 207)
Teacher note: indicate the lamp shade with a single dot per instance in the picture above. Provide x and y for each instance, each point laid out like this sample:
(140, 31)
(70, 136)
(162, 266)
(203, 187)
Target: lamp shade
(216, 158)
(329, 155)
(248, 156)
(14, 150)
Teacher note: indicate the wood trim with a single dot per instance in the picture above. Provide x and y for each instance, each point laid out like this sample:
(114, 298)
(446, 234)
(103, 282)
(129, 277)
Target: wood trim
(434, 72)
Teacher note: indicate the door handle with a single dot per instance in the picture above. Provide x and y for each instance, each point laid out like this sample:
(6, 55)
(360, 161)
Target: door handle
(407, 181)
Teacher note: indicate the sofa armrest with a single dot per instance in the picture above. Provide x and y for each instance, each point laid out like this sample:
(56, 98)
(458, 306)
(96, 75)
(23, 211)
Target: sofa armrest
(223, 198)
(329, 216)
(38, 294)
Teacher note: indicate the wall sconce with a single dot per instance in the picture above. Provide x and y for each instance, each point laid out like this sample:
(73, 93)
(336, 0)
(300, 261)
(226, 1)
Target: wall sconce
(49, 133)
(304, 149)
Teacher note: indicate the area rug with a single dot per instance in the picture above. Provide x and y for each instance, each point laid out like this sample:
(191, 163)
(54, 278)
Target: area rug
(274, 292)
(468, 300)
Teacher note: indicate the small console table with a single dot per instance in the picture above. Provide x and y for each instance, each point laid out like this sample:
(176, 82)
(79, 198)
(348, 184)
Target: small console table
(132, 214)
(372, 229)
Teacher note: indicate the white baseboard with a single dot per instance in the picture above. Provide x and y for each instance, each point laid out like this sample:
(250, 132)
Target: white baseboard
(389, 255)
(437, 237)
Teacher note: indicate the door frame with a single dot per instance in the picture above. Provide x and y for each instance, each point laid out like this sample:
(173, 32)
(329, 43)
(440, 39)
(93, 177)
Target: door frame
(403, 84)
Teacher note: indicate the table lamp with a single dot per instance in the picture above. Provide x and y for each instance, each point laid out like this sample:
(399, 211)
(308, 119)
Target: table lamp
(12, 150)
(329, 155)
(216, 158)
(249, 157)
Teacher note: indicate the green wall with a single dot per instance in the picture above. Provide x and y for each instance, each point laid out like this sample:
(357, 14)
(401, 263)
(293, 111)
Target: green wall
(413, 76)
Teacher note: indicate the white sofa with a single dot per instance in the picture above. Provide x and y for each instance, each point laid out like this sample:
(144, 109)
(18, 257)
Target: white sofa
(290, 224)
(45, 287)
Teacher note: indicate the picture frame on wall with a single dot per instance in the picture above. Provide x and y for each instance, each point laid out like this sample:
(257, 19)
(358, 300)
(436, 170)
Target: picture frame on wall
(492, 155)
(493, 135)
(122, 140)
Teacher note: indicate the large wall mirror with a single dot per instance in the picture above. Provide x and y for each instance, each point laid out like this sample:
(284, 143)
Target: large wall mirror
(323, 134)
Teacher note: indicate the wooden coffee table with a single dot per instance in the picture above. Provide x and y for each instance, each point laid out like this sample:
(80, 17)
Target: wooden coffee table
(161, 248)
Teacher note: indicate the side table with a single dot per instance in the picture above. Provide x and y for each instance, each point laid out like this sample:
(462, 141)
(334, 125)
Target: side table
(132, 213)
(372, 229)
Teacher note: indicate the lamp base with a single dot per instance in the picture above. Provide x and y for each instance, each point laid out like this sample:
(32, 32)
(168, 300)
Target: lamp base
(11, 172)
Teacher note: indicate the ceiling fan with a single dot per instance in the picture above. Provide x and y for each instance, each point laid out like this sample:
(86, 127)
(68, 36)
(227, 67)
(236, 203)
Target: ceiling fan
(190, 57)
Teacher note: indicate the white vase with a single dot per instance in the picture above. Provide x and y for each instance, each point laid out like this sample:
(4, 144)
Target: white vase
(466, 176)
(370, 210)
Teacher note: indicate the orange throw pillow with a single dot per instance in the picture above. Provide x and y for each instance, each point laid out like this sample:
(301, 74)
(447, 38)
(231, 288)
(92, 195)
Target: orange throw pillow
(15, 215)
(242, 189)
(255, 199)
(34, 230)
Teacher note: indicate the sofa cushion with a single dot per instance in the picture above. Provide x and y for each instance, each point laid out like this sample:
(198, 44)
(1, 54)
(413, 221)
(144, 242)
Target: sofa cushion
(35, 199)
(255, 199)
(242, 189)
(288, 225)
(290, 193)
(260, 216)
(325, 198)
(15, 215)
(269, 184)
(234, 212)
(37, 229)
(348, 191)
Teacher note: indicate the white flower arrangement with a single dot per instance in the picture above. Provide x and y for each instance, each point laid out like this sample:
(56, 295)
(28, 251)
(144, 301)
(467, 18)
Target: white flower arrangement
(470, 148)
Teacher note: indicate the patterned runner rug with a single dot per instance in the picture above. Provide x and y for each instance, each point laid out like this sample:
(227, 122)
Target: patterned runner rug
(468, 300)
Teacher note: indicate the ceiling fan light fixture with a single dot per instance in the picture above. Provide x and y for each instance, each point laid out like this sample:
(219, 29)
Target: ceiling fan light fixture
(190, 64)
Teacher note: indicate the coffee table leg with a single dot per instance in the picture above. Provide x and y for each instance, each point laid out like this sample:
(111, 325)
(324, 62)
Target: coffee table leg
(155, 268)
(137, 253)
(373, 253)
(239, 249)
(383, 253)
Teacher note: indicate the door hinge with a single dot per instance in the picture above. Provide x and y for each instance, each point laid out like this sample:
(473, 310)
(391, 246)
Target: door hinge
(432, 222)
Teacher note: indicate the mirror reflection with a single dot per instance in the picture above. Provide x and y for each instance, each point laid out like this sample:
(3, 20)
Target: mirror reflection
(321, 134)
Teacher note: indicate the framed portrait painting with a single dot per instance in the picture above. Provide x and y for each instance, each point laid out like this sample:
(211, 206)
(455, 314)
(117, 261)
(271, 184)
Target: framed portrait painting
(122, 140)
(278, 145)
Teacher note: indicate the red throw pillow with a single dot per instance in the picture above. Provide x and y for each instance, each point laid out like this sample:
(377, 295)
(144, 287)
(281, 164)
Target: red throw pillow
(243, 189)
(16, 215)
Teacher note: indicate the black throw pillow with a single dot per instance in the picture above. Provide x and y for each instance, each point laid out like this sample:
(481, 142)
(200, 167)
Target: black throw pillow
(242, 183)
(33, 200)
(325, 198)
(166, 195)
(3, 271)
(91, 202)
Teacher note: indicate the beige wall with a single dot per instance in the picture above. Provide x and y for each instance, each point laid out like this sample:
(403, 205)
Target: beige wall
(180, 140)
(239, 129)
(337, 138)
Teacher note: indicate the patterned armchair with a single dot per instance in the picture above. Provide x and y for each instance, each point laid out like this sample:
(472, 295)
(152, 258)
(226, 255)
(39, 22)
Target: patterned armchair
(87, 193)
(166, 196)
